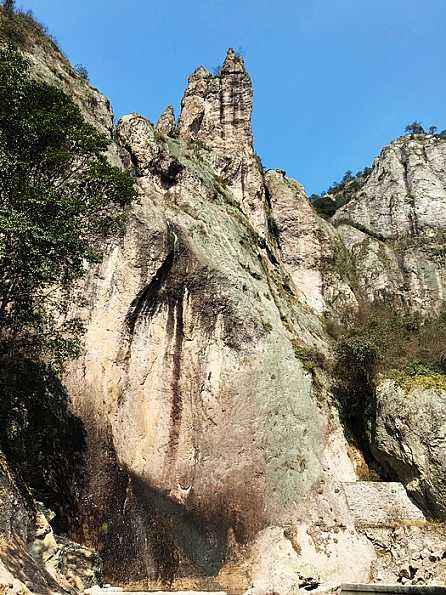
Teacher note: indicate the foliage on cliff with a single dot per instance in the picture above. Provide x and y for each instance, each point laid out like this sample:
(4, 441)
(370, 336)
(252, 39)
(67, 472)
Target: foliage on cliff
(339, 193)
(21, 28)
(382, 343)
(395, 341)
(59, 199)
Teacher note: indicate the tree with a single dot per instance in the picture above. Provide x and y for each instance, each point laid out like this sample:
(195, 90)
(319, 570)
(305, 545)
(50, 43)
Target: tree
(59, 200)
(9, 7)
(348, 176)
(433, 129)
(82, 72)
(415, 128)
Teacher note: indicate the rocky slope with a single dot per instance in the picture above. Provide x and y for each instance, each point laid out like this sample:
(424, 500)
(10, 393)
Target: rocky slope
(215, 450)
(32, 558)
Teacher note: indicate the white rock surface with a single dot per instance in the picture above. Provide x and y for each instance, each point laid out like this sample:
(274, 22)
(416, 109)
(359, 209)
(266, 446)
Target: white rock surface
(381, 504)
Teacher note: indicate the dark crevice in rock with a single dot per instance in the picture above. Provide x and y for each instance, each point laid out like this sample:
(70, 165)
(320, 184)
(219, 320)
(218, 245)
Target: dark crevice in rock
(373, 234)
(169, 175)
(177, 401)
(145, 303)
(196, 124)
(264, 246)
(355, 394)
(412, 215)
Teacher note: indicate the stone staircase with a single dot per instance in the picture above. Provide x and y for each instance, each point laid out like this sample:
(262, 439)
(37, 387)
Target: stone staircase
(109, 589)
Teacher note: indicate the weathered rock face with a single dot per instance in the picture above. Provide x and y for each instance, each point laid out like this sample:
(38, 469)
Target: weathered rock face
(394, 228)
(212, 450)
(408, 438)
(411, 551)
(166, 122)
(405, 193)
(208, 424)
(216, 110)
(394, 234)
(190, 366)
(309, 247)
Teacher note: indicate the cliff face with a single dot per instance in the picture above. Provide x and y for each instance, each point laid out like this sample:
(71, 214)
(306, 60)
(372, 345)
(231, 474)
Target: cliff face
(405, 193)
(192, 374)
(215, 449)
(195, 385)
(394, 228)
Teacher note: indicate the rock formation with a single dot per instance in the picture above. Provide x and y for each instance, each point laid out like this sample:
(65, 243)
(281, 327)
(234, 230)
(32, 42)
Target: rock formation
(195, 320)
(216, 111)
(405, 193)
(166, 122)
(408, 438)
(215, 452)
(32, 558)
(394, 228)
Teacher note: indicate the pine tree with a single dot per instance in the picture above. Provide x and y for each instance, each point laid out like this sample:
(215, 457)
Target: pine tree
(415, 128)
(9, 7)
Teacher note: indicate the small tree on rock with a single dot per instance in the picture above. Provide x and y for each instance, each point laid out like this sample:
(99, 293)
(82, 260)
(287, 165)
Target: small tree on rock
(415, 128)
(9, 7)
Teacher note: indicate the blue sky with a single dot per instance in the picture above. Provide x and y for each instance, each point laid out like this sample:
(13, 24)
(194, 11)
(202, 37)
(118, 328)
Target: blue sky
(334, 80)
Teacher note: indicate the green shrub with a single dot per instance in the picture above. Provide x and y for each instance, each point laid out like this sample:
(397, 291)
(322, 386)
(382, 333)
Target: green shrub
(401, 339)
(418, 368)
(82, 72)
(381, 341)
(360, 352)
(309, 357)
(267, 326)
(22, 28)
(339, 193)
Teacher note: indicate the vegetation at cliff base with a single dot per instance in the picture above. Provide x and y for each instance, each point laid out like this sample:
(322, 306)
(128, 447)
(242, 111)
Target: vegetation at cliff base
(59, 200)
(383, 343)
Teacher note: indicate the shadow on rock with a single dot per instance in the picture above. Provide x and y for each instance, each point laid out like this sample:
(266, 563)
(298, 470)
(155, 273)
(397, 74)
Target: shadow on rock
(41, 438)
(181, 541)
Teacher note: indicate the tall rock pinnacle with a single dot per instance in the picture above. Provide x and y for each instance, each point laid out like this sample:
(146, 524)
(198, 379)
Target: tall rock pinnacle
(216, 109)
(166, 122)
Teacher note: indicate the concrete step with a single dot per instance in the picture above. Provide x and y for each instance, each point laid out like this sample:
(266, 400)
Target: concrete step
(383, 589)
(105, 590)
